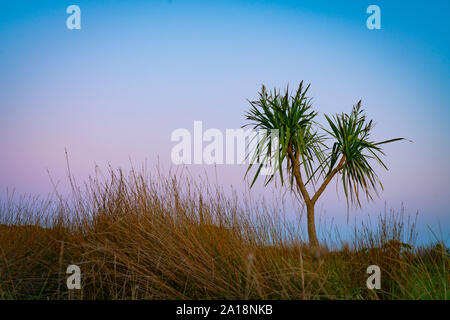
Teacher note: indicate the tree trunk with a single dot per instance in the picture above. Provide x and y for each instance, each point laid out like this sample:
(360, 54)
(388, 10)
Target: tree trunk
(311, 226)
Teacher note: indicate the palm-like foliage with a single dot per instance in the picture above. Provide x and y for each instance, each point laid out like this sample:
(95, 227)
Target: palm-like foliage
(293, 118)
(352, 142)
(303, 147)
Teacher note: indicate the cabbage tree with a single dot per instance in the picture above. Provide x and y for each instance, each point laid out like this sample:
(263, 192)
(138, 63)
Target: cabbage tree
(310, 155)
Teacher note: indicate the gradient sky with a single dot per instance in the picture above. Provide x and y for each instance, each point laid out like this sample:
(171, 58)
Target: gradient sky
(137, 70)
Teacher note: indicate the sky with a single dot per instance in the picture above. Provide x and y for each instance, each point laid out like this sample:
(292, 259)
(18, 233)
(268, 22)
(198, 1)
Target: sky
(113, 91)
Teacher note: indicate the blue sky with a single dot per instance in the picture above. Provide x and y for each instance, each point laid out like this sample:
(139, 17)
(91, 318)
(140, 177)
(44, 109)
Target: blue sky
(137, 70)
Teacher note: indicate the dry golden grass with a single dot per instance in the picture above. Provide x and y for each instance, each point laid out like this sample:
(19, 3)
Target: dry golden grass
(136, 236)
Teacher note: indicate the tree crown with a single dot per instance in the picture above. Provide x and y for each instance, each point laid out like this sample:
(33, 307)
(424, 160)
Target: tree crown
(302, 145)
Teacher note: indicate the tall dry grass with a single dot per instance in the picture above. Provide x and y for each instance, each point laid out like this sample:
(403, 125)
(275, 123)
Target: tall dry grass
(138, 236)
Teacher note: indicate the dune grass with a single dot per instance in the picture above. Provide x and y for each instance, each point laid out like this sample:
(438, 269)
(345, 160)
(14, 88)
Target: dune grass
(137, 236)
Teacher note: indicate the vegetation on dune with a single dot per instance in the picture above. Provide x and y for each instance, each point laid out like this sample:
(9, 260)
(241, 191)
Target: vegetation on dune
(303, 154)
(136, 236)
